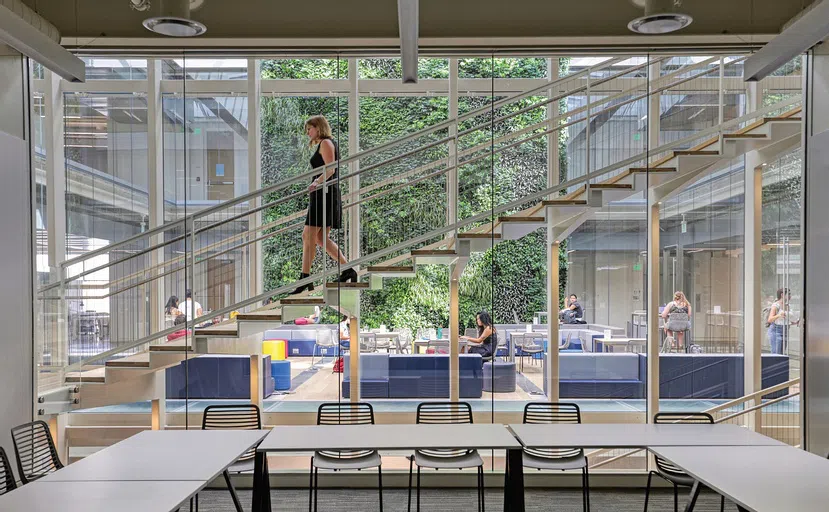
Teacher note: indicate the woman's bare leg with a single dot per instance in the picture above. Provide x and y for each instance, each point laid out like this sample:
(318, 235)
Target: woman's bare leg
(332, 248)
(680, 339)
(308, 247)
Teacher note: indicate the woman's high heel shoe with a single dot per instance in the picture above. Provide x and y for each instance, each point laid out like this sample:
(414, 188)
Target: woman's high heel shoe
(309, 286)
(348, 275)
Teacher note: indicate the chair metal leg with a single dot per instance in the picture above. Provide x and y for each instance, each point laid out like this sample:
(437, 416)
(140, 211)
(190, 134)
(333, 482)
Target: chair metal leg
(311, 486)
(676, 499)
(418, 489)
(722, 503)
(191, 504)
(648, 490)
(380, 485)
(316, 486)
(197, 503)
(411, 464)
(232, 491)
(483, 491)
(585, 482)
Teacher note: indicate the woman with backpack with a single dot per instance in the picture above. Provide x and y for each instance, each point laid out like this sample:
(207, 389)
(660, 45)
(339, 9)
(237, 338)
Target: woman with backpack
(677, 316)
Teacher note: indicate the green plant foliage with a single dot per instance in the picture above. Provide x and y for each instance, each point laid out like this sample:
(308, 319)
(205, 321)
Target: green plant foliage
(508, 279)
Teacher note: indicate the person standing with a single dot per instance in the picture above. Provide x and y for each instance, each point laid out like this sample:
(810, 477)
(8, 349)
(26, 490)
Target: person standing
(779, 320)
(317, 229)
(677, 316)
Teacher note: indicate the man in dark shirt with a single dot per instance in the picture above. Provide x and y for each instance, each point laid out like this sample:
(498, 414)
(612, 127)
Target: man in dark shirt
(572, 313)
(575, 307)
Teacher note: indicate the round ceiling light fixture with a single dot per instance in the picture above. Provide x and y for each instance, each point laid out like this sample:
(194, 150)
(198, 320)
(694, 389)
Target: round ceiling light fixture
(174, 19)
(659, 17)
(174, 27)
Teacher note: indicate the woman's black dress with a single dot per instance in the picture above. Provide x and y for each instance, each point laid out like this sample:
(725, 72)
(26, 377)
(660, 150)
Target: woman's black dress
(333, 201)
(485, 348)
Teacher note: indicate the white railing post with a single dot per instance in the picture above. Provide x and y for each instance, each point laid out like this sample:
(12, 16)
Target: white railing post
(553, 170)
(452, 175)
(587, 137)
(653, 347)
(721, 106)
(155, 159)
(254, 93)
(354, 229)
(753, 320)
(551, 375)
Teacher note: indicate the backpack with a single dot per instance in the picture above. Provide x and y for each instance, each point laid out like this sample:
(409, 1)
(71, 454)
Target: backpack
(338, 365)
(766, 312)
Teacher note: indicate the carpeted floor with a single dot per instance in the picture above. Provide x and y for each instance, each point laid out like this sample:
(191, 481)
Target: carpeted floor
(460, 500)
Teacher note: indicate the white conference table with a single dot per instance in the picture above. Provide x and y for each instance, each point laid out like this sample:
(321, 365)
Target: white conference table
(637, 435)
(166, 455)
(100, 496)
(756, 478)
(392, 437)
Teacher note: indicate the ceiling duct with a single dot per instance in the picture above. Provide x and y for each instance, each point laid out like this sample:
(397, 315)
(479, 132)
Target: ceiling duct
(802, 33)
(661, 17)
(27, 32)
(173, 19)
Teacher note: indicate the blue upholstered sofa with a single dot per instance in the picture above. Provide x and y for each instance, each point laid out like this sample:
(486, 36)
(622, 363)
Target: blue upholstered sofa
(216, 376)
(301, 338)
(414, 376)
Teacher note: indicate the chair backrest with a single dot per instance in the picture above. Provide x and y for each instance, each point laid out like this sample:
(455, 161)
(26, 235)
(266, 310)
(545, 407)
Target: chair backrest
(327, 338)
(35, 451)
(233, 417)
(566, 343)
(678, 417)
(550, 413)
(368, 342)
(345, 413)
(7, 482)
(444, 413)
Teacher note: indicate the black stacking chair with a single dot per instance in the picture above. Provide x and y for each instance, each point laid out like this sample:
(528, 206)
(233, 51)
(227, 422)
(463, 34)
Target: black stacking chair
(7, 482)
(35, 451)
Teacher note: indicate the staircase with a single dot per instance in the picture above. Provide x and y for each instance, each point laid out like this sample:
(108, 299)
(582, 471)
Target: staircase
(111, 377)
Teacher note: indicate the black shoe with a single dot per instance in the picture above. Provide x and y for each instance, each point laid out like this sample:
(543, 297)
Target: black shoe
(309, 286)
(348, 275)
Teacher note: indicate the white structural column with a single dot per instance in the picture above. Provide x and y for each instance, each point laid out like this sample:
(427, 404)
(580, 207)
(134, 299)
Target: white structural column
(353, 148)
(254, 174)
(55, 168)
(552, 138)
(155, 163)
(452, 175)
(552, 371)
(653, 305)
(752, 325)
(654, 104)
(354, 352)
(454, 327)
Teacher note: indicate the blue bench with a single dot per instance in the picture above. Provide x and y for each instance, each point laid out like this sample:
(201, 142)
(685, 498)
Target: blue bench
(216, 377)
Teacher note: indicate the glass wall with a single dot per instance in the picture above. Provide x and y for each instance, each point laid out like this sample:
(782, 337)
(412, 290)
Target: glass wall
(485, 184)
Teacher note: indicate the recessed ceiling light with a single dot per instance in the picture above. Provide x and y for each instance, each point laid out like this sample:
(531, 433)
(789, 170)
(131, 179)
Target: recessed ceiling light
(663, 23)
(174, 27)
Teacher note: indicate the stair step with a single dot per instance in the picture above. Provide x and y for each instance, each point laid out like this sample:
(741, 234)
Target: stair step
(390, 269)
(612, 186)
(346, 286)
(697, 152)
(744, 136)
(179, 345)
(434, 252)
(96, 376)
(273, 315)
(524, 218)
(565, 202)
(229, 330)
(479, 236)
(136, 361)
(653, 169)
(302, 301)
(776, 119)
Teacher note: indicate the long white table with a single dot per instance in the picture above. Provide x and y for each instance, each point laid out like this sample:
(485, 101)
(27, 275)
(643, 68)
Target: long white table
(392, 437)
(756, 478)
(100, 496)
(199, 455)
(637, 435)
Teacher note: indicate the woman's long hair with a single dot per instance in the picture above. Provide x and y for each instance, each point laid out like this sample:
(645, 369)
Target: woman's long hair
(680, 300)
(486, 321)
(172, 302)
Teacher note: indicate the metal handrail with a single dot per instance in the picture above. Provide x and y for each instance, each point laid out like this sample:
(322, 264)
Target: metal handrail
(442, 231)
(575, 181)
(286, 183)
